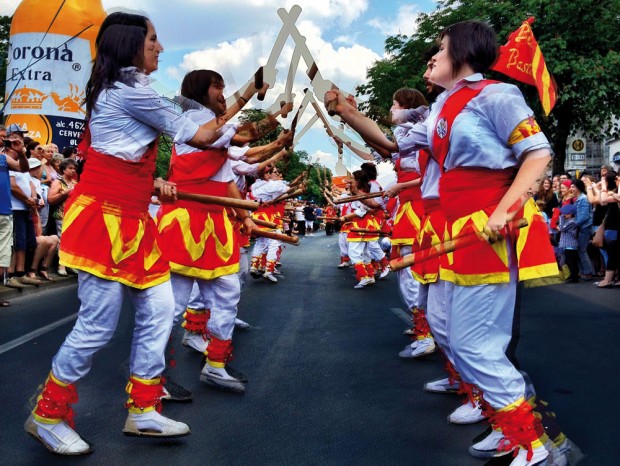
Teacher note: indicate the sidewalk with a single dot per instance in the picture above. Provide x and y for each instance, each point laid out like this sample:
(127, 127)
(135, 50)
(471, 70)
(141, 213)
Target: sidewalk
(9, 294)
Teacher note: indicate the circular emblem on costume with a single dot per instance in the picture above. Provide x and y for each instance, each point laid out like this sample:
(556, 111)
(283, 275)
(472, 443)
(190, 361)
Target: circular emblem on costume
(442, 128)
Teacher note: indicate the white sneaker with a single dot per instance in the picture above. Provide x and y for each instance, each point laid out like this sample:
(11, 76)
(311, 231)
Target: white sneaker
(423, 348)
(384, 273)
(219, 377)
(487, 447)
(57, 438)
(271, 277)
(344, 264)
(241, 323)
(195, 341)
(363, 282)
(409, 349)
(538, 458)
(441, 386)
(153, 424)
(467, 413)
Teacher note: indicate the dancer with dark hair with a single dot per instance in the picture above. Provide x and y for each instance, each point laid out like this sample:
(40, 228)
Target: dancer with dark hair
(212, 261)
(125, 119)
(486, 141)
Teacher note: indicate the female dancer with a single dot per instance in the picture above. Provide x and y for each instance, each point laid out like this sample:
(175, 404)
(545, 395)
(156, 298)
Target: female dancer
(486, 140)
(126, 117)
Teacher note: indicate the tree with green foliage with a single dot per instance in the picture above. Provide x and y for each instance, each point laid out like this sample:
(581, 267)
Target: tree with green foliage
(164, 152)
(580, 43)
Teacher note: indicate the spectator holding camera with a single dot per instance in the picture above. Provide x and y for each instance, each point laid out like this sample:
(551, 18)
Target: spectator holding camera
(12, 158)
(23, 203)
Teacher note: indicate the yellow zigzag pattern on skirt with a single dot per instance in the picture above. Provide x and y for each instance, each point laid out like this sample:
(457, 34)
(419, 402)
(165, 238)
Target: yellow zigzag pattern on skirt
(197, 248)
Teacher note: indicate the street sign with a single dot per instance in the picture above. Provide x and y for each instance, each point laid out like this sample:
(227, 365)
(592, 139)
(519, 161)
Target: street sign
(575, 154)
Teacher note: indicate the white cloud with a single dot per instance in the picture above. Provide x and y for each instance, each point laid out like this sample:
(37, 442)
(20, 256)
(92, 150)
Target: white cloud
(403, 24)
(345, 66)
(323, 158)
(202, 23)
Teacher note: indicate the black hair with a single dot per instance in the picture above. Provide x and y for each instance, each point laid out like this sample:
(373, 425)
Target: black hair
(32, 145)
(580, 185)
(196, 85)
(370, 169)
(610, 178)
(122, 19)
(68, 151)
(119, 47)
(362, 180)
(472, 43)
(430, 52)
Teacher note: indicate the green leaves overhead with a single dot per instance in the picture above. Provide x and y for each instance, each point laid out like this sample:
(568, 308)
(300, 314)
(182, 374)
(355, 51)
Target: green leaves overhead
(580, 43)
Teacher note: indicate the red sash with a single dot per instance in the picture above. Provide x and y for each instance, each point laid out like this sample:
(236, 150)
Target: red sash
(468, 198)
(450, 110)
(466, 190)
(190, 170)
(111, 179)
(107, 230)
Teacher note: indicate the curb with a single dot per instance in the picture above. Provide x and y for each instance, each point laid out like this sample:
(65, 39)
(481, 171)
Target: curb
(6, 293)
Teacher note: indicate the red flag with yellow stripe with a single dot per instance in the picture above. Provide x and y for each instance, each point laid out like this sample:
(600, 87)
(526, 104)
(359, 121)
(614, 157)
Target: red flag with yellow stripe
(522, 59)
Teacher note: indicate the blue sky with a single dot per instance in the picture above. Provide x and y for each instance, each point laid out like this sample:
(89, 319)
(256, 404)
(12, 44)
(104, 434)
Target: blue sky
(234, 37)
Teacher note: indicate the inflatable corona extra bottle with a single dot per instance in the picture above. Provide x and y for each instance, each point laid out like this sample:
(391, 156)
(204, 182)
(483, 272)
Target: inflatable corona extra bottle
(51, 48)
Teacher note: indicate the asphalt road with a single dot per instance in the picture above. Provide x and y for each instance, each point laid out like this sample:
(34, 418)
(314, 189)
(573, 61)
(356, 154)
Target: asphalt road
(326, 385)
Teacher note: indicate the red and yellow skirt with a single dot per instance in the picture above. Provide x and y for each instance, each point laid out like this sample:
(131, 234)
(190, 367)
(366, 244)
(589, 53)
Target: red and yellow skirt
(483, 262)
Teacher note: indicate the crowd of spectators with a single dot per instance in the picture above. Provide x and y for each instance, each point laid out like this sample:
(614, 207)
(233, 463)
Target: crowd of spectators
(584, 221)
(30, 198)
(305, 218)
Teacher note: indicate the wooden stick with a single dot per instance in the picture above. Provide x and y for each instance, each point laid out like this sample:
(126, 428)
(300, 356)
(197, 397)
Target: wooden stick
(297, 180)
(284, 196)
(264, 223)
(294, 240)
(358, 197)
(218, 200)
(459, 242)
(370, 232)
(258, 79)
(329, 219)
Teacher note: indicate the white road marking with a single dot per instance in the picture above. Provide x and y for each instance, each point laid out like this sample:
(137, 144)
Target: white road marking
(37, 333)
(402, 314)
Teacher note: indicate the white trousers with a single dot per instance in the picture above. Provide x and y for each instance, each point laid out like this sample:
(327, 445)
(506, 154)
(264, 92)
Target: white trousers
(479, 330)
(412, 292)
(358, 252)
(268, 246)
(101, 302)
(343, 244)
(220, 295)
(374, 250)
(439, 298)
